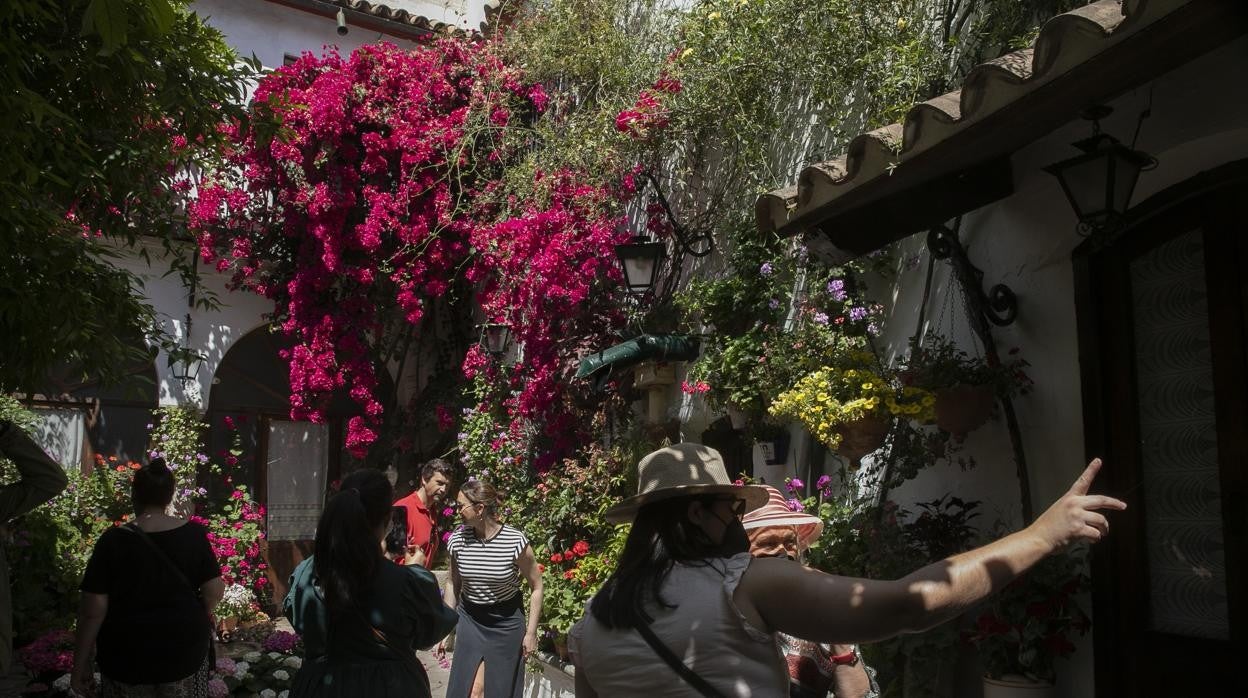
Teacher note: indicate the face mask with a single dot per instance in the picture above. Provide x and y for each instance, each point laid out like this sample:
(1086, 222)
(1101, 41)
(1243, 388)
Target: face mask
(736, 540)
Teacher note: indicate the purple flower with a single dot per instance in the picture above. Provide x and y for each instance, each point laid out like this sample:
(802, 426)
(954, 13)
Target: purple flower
(823, 482)
(201, 457)
(795, 505)
(448, 512)
(857, 313)
(766, 269)
(821, 318)
(508, 460)
(462, 436)
(836, 288)
(773, 304)
(794, 485)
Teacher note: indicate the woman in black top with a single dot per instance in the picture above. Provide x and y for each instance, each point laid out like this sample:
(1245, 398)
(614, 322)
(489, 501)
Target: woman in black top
(147, 597)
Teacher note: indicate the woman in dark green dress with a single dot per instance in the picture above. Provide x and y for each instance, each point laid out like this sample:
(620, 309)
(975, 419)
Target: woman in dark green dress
(361, 616)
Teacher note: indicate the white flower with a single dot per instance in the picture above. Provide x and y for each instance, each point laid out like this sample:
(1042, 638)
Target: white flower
(252, 656)
(275, 656)
(62, 684)
(283, 694)
(281, 675)
(240, 670)
(268, 693)
(294, 662)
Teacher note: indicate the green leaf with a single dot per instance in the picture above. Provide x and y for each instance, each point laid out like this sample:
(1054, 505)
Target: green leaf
(162, 15)
(106, 18)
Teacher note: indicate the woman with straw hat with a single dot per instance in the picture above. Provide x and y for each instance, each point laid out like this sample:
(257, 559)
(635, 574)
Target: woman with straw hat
(777, 530)
(686, 590)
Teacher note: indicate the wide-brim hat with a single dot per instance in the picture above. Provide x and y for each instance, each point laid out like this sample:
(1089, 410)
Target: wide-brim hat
(776, 512)
(682, 470)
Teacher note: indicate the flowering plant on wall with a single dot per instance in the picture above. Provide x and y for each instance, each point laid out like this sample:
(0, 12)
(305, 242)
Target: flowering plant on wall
(833, 396)
(368, 195)
(235, 534)
(1034, 620)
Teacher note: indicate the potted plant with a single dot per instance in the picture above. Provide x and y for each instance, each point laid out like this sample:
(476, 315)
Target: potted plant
(772, 440)
(1028, 625)
(966, 387)
(849, 408)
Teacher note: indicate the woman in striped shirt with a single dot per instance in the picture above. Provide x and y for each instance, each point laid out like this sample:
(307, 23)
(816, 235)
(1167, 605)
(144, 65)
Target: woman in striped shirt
(488, 558)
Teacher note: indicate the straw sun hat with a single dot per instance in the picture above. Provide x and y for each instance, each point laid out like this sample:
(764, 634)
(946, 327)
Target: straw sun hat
(682, 470)
(776, 512)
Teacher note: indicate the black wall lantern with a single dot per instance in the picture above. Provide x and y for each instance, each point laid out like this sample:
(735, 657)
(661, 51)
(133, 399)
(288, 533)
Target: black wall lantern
(495, 337)
(1099, 183)
(641, 258)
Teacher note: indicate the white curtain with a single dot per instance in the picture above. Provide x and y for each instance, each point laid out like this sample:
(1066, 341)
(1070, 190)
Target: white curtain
(61, 433)
(298, 457)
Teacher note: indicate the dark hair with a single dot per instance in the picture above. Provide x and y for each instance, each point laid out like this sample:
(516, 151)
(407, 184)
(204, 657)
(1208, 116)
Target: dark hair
(482, 492)
(437, 465)
(396, 537)
(347, 550)
(662, 535)
(152, 486)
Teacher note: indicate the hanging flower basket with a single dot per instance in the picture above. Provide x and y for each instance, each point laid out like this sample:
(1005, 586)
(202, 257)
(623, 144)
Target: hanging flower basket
(860, 437)
(964, 408)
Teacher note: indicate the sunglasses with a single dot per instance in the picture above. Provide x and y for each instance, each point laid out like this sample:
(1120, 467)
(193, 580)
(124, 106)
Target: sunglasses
(737, 504)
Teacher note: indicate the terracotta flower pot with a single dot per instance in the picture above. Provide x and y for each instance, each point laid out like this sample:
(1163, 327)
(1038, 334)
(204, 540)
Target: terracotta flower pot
(860, 437)
(964, 408)
(1013, 686)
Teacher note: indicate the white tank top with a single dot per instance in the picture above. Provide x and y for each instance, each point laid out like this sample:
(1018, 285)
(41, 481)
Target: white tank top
(706, 630)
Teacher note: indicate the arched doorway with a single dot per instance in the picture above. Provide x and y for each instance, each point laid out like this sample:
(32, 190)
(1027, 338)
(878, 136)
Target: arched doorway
(289, 465)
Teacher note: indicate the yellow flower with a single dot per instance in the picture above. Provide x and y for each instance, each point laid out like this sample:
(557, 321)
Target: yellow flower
(713, 15)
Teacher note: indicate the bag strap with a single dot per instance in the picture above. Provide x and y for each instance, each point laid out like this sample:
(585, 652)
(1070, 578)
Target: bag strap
(134, 528)
(406, 657)
(699, 683)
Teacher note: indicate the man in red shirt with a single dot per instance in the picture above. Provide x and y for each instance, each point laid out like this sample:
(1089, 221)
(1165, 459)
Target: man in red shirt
(422, 538)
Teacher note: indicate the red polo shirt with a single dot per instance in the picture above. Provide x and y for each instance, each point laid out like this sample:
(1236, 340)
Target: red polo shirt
(420, 528)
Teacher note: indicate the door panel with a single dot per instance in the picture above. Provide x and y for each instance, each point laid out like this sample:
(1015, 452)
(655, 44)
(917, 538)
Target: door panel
(1166, 390)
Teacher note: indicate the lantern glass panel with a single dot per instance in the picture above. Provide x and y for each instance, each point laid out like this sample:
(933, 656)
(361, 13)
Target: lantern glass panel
(1126, 173)
(1084, 179)
(495, 337)
(641, 261)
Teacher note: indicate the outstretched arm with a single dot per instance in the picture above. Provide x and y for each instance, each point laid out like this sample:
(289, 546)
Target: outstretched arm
(808, 604)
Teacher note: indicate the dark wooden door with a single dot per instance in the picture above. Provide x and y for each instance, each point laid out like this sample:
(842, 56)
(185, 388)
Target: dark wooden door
(1162, 326)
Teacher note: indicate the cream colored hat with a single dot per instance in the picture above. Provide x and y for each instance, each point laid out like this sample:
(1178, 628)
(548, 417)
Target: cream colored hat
(682, 470)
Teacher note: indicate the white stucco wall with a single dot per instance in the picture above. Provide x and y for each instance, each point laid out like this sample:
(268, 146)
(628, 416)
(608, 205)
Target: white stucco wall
(1025, 241)
(270, 31)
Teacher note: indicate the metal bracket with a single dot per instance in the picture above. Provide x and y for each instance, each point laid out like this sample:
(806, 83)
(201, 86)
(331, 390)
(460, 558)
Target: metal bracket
(998, 306)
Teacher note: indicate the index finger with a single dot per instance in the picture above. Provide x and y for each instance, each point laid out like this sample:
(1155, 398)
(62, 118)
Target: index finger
(1084, 482)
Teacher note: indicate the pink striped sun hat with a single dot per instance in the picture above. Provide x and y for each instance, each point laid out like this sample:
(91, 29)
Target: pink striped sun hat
(776, 512)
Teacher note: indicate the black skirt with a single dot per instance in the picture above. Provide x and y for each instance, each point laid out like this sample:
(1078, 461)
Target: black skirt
(493, 634)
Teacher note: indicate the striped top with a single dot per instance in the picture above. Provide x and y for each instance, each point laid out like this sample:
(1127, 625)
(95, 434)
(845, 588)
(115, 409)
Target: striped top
(487, 569)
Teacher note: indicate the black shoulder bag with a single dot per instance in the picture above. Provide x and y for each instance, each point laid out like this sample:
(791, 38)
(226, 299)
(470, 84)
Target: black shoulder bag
(699, 683)
(177, 571)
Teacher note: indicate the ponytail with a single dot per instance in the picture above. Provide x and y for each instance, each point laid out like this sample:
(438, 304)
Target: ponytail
(347, 550)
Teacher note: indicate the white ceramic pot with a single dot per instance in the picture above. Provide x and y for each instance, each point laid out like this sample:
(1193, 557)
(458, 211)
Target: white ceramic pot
(1013, 686)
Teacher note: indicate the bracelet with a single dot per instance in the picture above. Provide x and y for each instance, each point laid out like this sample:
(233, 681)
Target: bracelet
(850, 658)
